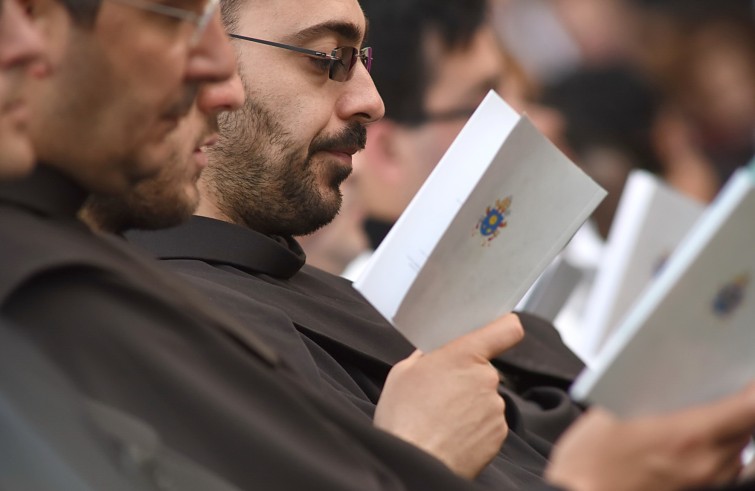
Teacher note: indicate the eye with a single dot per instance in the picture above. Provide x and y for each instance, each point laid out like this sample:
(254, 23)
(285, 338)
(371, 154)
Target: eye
(322, 64)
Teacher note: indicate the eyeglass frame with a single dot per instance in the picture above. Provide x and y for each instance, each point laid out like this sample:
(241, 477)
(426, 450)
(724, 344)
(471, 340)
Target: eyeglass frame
(201, 21)
(364, 55)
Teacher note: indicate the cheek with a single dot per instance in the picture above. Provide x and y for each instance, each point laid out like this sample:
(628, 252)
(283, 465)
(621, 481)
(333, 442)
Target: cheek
(5, 88)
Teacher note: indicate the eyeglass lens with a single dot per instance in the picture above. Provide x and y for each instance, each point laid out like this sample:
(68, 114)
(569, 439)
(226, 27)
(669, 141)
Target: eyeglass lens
(342, 68)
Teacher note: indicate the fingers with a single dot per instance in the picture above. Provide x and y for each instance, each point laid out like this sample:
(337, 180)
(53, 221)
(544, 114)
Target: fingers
(491, 340)
(727, 419)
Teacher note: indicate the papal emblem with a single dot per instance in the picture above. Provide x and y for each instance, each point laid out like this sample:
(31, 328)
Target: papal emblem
(490, 225)
(730, 297)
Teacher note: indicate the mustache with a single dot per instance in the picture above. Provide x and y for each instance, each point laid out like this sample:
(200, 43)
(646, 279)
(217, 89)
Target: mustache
(352, 136)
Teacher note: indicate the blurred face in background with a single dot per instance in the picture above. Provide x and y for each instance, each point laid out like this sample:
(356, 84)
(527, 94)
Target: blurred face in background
(399, 158)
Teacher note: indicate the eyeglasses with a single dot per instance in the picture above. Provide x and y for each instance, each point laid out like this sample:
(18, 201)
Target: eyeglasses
(342, 59)
(200, 20)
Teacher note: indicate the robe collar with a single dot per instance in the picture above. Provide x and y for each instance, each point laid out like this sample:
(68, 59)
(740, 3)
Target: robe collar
(46, 192)
(221, 242)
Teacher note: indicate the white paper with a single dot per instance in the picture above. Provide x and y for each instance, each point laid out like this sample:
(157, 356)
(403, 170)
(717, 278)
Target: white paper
(435, 276)
(650, 222)
(682, 344)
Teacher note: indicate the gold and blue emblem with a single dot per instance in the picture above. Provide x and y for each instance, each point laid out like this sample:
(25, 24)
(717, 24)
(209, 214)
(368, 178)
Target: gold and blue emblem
(731, 296)
(490, 224)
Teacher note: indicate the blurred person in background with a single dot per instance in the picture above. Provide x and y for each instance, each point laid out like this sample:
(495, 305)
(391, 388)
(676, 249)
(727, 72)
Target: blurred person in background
(434, 82)
(702, 55)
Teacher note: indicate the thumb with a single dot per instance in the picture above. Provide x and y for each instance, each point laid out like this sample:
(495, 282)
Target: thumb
(491, 340)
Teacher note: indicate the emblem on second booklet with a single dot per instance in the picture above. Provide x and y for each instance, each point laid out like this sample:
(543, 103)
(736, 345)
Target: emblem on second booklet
(731, 296)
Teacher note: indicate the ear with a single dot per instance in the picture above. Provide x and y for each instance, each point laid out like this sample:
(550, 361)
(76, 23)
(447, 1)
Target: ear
(382, 158)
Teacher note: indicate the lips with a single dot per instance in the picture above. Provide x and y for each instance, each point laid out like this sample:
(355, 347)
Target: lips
(200, 152)
(350, 151)
(207, 142)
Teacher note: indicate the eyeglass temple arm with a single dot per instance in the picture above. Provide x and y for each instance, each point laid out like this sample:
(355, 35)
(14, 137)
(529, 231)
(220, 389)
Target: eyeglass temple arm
(157, 8)
(310, 52)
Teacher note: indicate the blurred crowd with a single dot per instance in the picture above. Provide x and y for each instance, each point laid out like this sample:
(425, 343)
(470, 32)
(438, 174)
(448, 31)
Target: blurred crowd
(662, 85)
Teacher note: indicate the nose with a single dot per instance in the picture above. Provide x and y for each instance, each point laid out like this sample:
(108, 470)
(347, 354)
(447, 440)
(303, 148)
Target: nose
(223, 96)
(361, 101)
(20, 43)
(212, 59)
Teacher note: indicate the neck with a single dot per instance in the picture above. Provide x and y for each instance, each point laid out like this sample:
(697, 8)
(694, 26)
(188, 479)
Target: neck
(207, 208)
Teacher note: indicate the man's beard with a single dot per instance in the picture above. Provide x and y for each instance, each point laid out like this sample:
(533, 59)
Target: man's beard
(261, 178)
(162, 201)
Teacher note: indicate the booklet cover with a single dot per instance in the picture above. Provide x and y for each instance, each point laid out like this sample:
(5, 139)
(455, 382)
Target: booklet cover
(690, 337)
(494, 213)
(547, 297)
(650, 222)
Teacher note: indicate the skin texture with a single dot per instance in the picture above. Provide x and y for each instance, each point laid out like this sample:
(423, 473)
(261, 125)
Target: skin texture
(684, 450)
(334, 246)
(131, 76)
(471, 405)
(170, 198)
(288, 150)
(21, 49)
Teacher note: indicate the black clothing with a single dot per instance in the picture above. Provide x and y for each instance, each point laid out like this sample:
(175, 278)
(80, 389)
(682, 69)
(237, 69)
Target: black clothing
(53, 439)
(132, 337)
(333, 337)
(376, 231)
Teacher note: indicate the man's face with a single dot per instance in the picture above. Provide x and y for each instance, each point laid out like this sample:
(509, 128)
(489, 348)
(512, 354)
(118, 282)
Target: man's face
(281, 159)
(20, 47)
(170, 197)
(462, 77)
(119, 87)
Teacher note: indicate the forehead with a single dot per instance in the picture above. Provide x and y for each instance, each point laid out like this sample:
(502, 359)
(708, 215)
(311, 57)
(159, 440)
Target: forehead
(291, 20)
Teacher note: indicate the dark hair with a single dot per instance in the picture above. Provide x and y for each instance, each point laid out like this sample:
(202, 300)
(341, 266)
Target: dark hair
(398, 33)
(697, 11)
(610, 106)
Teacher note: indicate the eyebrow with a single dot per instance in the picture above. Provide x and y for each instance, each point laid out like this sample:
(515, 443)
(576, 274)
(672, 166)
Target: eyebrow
(350, 32)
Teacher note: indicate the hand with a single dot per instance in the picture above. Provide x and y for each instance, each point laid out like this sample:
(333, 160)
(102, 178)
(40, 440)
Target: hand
(447, 403)
(687, 449)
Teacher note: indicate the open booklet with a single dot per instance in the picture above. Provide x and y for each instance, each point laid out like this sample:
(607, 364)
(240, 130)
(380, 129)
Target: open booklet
(499, 206)
(690, 337)
(650, 222)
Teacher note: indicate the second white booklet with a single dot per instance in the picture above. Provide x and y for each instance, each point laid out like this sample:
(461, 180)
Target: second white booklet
(494, 213)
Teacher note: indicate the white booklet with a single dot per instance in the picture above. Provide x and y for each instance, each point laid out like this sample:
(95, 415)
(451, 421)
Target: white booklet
(690, 338)
(552, 290)
(650, 222)
(494, 213)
